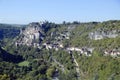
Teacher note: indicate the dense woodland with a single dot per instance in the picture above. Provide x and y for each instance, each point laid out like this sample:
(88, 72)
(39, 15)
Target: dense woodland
(30, 63)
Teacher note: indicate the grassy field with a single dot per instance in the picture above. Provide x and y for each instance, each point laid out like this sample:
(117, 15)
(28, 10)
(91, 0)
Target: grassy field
(24, 63)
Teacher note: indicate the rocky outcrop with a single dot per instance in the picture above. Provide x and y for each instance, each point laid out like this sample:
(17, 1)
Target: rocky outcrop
(101, 34)
(32, 35)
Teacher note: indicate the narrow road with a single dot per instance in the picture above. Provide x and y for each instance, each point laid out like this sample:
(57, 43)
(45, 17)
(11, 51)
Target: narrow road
(77, 67)
(60, 65)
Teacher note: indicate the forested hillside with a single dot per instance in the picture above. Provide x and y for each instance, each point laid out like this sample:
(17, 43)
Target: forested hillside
(10, 30)
(67, 51)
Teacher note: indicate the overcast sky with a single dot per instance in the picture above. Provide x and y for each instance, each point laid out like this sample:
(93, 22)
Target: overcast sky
(26, 11)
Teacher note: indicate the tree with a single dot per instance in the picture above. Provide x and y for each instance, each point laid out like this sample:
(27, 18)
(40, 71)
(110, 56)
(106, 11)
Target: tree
(50, 72)
(4, 77)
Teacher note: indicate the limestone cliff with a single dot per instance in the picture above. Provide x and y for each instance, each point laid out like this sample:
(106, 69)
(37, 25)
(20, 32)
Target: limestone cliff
(32, 35)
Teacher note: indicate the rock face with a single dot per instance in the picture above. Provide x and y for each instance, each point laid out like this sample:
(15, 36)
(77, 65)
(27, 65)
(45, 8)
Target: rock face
(32, 35)
(97, 35)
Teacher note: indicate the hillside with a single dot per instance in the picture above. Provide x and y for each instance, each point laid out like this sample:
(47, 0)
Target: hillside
(9, 30)
(67, 51)
(5, 56)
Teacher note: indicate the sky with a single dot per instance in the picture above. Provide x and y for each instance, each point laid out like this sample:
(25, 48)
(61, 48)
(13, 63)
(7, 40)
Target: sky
(26, 11)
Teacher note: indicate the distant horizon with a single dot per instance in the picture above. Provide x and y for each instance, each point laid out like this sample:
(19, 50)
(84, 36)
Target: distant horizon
(26, 11)
(61, 22)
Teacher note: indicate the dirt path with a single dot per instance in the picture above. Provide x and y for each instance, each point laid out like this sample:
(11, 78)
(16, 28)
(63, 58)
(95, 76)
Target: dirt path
(77, 67)
(60, 65)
